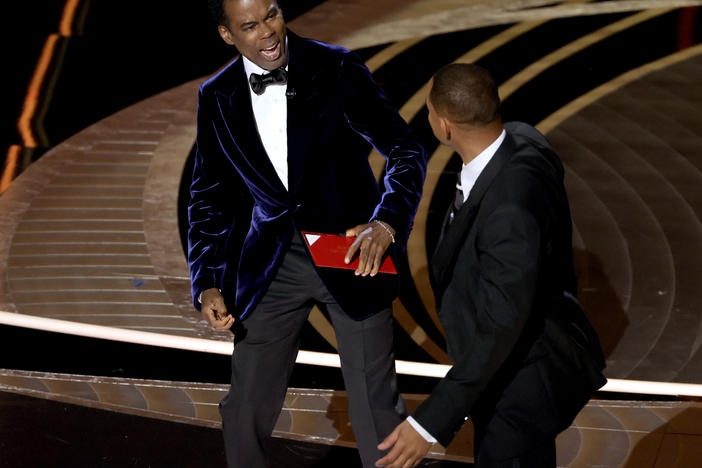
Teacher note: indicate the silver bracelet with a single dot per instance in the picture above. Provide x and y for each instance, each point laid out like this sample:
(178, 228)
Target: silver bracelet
(386, 229)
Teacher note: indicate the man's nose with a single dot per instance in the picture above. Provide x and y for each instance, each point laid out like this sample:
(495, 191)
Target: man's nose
(267, 30)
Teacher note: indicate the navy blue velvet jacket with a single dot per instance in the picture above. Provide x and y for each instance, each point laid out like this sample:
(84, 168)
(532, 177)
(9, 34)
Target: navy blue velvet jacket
(241, 216)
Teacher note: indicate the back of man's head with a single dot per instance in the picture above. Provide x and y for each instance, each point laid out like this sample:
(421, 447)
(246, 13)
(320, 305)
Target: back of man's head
(465, 94)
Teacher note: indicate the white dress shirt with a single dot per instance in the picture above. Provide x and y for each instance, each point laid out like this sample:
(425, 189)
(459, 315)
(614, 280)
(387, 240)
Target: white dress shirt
(471, 171)
(469, 174)
(271, 113)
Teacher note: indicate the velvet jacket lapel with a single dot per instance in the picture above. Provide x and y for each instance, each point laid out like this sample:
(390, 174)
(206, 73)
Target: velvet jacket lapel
(244, 133)
(453, 234)
(304, 106)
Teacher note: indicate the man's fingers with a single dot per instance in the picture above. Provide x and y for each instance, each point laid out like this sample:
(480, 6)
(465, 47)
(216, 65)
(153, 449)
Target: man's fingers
(361, 231)
(210, 315)
(219, 311)
(360, 246)
(368, 257)
(214, 310)
(371, 243)
(389, 441)
(374, 251)
(218, 318)
(225, 323)
(394, 459)
(374, 260)
(377, 259)
(408, 448)
(388, 459)
(352, 250)
(354, 231)
(363, 256)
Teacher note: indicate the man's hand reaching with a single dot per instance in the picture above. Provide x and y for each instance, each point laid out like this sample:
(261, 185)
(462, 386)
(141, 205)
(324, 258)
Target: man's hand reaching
(407, 448)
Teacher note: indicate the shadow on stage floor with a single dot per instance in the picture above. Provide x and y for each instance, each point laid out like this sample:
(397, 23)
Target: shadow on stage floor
(38, 432)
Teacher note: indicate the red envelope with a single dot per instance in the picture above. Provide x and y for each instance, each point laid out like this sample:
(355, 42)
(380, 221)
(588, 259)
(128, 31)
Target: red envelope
(329, 250)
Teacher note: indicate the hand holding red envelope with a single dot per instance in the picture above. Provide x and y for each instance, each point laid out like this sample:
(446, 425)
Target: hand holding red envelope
(329, 250)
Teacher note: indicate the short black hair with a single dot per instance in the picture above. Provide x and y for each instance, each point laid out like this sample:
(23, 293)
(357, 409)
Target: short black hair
(465, 94)
(217, 12)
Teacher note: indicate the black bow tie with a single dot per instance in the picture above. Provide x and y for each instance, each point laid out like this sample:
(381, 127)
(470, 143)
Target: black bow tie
(259, 82)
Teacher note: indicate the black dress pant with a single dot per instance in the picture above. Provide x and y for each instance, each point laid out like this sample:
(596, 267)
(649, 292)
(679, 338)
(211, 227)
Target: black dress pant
(266, 345)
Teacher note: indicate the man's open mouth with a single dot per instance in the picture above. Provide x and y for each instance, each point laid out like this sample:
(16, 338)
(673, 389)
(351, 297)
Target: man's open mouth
(272, 53)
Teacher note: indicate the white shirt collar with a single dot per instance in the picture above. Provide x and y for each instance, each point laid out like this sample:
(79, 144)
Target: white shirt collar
(471, 171)
(250, 67)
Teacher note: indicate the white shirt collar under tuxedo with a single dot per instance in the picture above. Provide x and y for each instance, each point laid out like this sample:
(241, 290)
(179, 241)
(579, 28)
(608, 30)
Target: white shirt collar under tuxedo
(271, 113)
(471, 171)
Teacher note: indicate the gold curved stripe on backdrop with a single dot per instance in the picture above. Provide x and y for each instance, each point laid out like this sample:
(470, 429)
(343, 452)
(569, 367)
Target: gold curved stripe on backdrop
(555, 119)
(390, 52)
(416, 102)
(548, 61)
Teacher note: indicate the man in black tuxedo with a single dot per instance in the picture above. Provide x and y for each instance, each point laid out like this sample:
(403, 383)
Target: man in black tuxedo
(284, 134)
(526, 360)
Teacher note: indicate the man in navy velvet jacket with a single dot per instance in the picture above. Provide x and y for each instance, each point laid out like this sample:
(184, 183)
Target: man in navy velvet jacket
(277, 154)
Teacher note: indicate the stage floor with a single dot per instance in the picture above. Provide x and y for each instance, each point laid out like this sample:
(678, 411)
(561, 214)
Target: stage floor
(91, 233)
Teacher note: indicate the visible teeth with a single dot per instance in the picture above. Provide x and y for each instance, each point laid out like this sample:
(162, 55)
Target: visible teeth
(271, 53)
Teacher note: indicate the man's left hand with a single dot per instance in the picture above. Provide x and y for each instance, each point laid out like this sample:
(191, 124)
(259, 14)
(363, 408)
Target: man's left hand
(373, 239)
(408, 448)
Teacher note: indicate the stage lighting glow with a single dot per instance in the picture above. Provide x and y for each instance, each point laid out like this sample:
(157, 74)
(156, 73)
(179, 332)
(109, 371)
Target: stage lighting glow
(422, 369)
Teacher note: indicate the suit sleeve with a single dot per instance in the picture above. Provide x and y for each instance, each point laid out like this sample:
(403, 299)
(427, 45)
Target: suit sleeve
(214, 194)
(507, 269)
(370, 114)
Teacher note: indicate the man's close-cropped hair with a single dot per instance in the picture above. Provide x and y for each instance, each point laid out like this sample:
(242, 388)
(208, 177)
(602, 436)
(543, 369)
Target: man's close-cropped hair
(465, 94)
(217, 13)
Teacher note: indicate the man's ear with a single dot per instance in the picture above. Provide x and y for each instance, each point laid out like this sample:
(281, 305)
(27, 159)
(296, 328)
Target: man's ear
(445, 128)
(225, 34)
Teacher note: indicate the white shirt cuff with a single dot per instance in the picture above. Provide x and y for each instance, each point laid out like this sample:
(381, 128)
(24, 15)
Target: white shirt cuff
(422, 432)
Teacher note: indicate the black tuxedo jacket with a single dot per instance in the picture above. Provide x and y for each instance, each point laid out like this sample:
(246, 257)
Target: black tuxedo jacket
(241, 216)
(500, 272)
